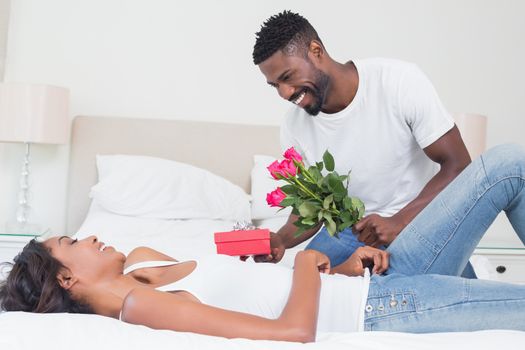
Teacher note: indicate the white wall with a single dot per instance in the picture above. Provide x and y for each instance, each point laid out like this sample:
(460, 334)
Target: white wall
(192, 60)
(4, 18)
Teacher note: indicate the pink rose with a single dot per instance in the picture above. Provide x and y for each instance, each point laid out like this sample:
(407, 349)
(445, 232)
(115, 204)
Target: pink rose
(292, 154)
(275, 170)
(288, 168)
(284, 169)
(275, 197)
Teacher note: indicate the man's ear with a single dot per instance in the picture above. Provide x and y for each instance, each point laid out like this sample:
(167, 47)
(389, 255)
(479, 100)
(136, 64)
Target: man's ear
(316, 50)
(66, 279)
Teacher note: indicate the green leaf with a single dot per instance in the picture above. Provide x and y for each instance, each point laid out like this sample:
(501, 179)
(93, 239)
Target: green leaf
(328, 160)
(330, 224)
(335, 184)
(344, 225)
(359, 205)
(347, 203)
(331, 181)
(287, 201)
(309, 221)
(307, 209)
(299, 224)
(338, 196)
(345, 216)
(301, 228)
(327, 201)
(319, 166)
(289, 189)
(315, 173)
(311, 188)
(348, 179)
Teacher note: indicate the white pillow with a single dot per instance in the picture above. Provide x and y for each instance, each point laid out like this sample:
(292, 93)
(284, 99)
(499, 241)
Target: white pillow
(262, 184)
(165, 189)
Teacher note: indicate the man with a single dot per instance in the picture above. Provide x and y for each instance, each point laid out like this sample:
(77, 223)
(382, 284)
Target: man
(381, 119)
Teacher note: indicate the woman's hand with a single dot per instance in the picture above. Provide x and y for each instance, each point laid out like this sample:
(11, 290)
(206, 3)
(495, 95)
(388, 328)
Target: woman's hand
(364, 257)
(320, 260)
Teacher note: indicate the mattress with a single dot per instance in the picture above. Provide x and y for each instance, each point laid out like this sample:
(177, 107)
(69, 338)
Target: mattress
(185, 239)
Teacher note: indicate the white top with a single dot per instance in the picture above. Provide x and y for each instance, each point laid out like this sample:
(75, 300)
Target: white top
(262, 289)
(379, 136)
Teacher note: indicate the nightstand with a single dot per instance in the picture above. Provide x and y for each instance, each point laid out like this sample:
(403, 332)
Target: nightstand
(507, 263)
(12, 244)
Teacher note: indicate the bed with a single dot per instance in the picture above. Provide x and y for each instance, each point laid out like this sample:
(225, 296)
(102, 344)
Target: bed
(126, 214)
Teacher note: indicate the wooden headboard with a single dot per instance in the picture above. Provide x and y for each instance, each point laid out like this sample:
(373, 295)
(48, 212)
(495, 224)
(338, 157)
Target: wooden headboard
(224, 149)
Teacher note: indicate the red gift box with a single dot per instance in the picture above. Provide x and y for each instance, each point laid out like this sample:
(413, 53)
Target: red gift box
(243, 242)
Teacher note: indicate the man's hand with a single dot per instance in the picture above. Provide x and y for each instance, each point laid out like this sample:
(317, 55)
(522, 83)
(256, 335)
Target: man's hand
(364, 257)
(375, 230)
(276, 250)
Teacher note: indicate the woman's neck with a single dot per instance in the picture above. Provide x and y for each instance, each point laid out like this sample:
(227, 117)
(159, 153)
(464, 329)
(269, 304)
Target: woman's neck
(106, 298)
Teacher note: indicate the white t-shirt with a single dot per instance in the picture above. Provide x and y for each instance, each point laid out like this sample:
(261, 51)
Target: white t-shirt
(379, 136)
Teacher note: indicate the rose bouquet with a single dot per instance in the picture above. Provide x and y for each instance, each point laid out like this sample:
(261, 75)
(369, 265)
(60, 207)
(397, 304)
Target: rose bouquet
(315, 197)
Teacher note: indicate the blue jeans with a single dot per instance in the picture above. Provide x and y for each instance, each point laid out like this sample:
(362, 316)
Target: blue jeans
(438, 303)
(338, 250)
(420, 291)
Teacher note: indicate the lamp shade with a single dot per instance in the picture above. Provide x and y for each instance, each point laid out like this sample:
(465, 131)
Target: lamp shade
(34, 113)
(473, 129)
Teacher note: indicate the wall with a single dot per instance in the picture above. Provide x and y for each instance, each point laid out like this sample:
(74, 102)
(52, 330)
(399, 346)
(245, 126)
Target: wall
(4, 24)
(4, 167)
(192, 60)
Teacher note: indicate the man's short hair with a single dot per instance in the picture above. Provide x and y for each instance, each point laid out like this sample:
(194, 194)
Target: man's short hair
(286, 31)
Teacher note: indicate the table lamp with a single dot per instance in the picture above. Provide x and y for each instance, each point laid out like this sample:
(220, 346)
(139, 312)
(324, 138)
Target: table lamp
(31, 113)
(473, 129)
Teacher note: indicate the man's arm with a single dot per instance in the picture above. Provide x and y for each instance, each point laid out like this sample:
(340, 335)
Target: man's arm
(450, 153)
(285, 238)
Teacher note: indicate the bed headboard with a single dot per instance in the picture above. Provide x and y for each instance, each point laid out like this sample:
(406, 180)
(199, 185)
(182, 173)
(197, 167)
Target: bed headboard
(224, 149)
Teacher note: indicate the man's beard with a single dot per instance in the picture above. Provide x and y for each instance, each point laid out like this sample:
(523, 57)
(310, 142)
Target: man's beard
(318, 92)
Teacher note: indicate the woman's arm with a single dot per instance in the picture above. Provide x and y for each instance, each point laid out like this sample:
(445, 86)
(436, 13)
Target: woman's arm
(297, 322)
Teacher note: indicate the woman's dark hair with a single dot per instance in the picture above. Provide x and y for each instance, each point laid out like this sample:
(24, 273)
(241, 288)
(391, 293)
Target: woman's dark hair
(32, 284)
(286, 31)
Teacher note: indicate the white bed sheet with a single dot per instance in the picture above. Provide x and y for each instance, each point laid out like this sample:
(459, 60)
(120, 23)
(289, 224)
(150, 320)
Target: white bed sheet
(25, 331)
(190, 239)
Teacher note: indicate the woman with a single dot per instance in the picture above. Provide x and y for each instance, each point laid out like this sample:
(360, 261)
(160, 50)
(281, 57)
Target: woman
(414, 287)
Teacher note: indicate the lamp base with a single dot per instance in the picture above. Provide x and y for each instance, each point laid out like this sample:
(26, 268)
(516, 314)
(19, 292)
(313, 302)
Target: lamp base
(27, 228)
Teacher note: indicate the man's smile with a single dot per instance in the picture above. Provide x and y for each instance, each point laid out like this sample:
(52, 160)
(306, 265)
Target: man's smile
(299, 98)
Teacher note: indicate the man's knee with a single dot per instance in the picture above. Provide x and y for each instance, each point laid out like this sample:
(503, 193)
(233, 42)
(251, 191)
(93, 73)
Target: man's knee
(506, 156)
